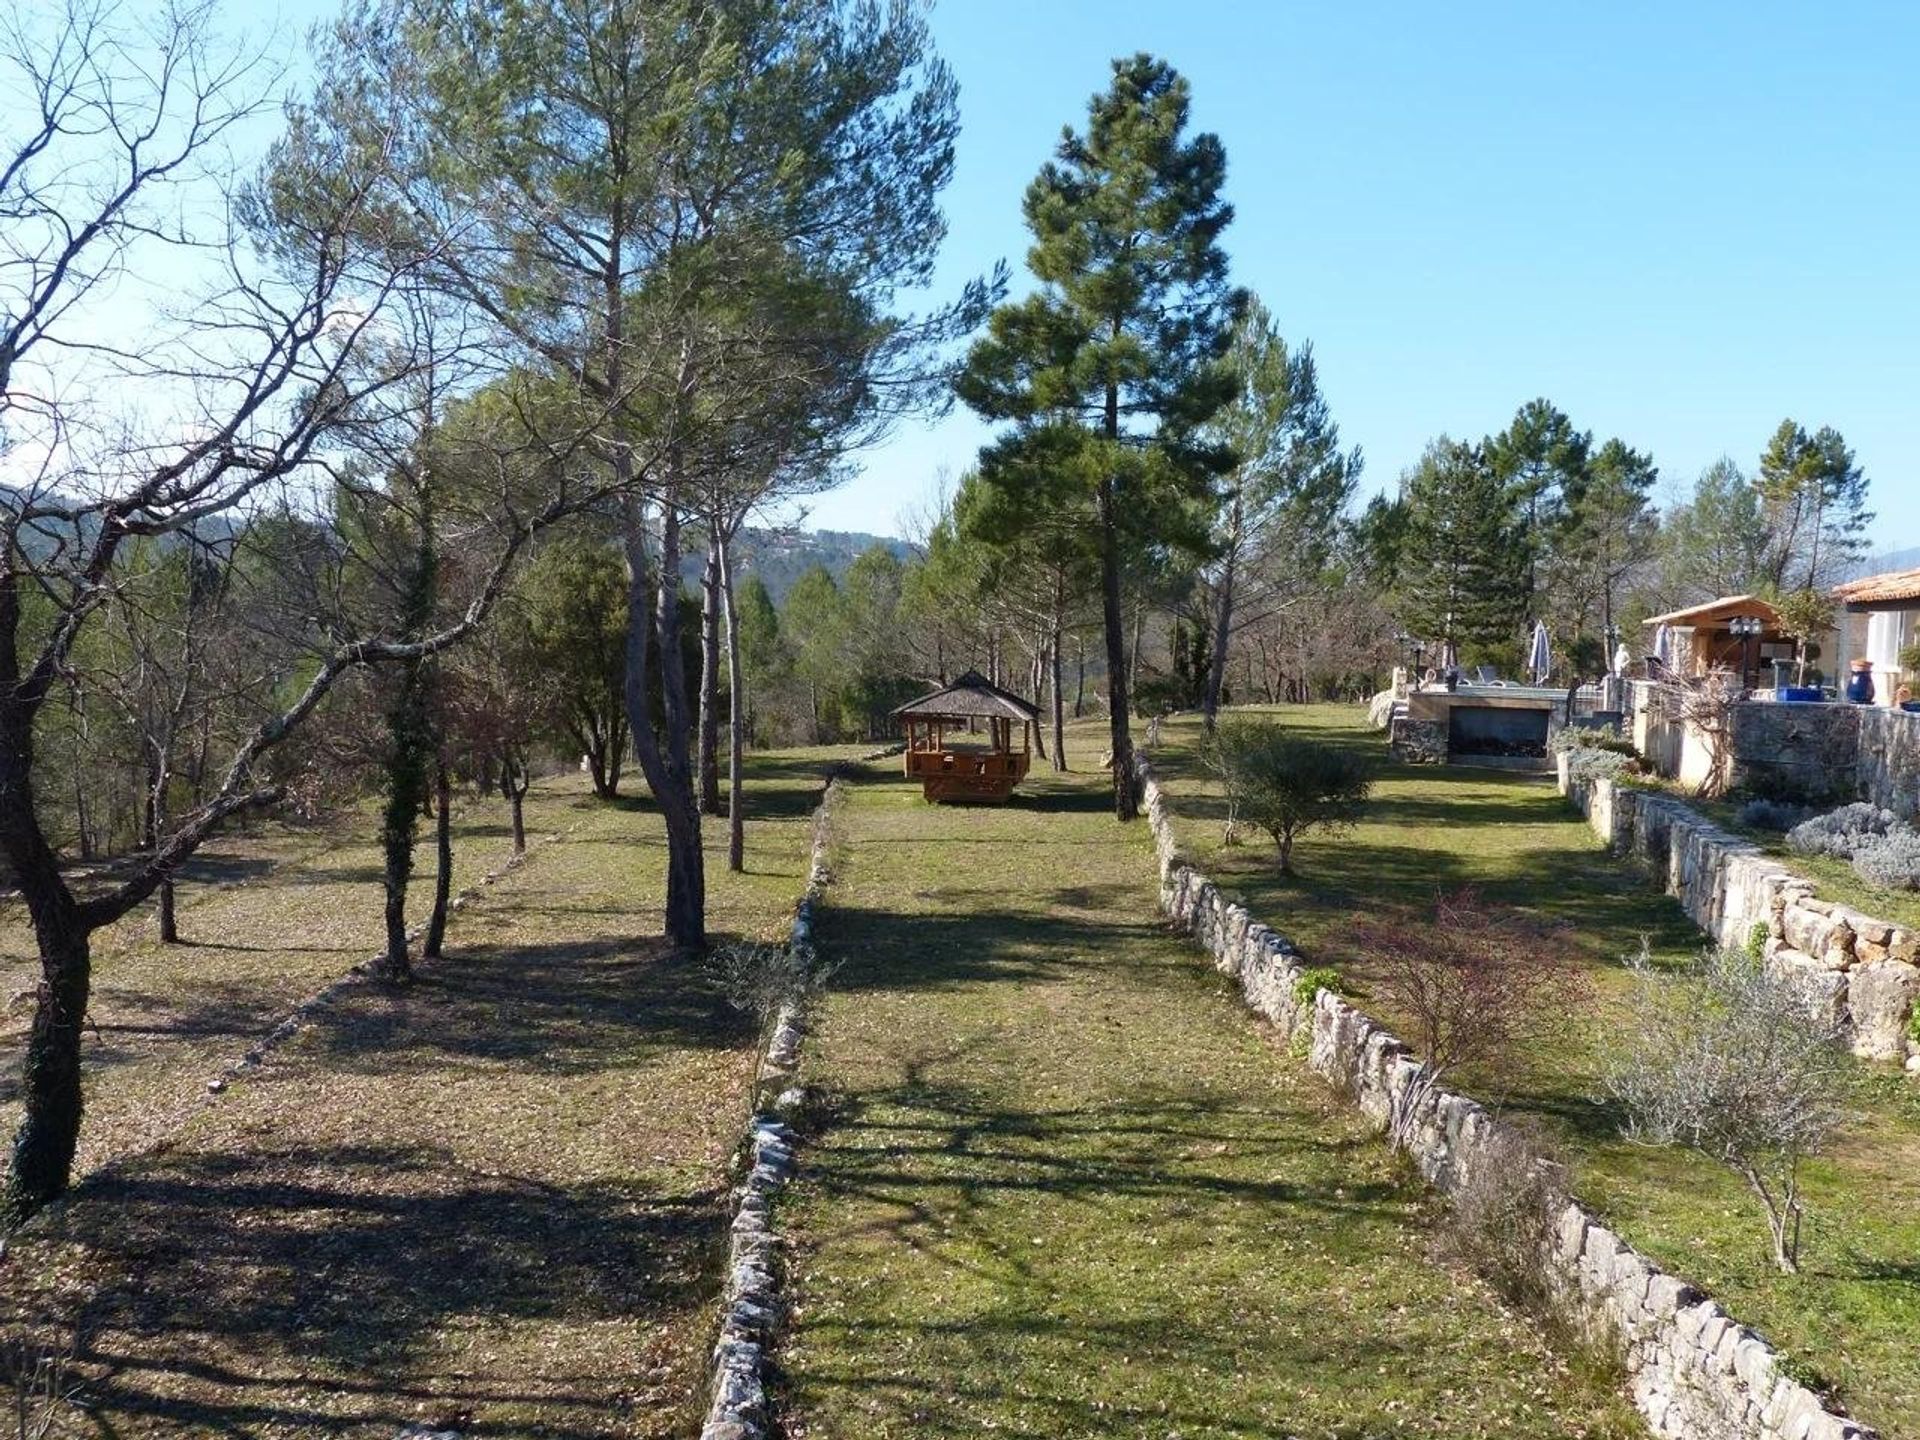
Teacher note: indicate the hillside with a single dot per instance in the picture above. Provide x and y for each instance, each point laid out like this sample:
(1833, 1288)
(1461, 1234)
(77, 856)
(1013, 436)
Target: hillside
(781, 556)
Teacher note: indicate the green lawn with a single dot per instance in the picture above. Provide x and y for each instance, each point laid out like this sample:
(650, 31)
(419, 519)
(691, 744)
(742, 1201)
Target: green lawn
(1851, 1319)
(1065, 1186)
(495, 1201)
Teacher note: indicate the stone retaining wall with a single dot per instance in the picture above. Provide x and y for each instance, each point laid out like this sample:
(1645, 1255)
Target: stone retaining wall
(1692, 1370)
(1863, 973)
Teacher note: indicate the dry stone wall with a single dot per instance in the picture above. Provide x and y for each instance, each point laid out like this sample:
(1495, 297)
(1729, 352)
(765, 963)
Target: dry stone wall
(753, 1307)
(1692, 1369)
(1862, 973)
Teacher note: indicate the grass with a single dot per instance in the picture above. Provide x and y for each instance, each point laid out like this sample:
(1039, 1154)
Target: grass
(1066, 1187)
(1850, 1319)
(495, 1200)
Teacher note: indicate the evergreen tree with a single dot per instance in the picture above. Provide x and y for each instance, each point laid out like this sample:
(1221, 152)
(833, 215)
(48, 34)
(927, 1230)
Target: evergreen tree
(1463, 566)
(1813, 498)
(1714, 543)
(1541, 459)
(1607, 531)
(1109, 369)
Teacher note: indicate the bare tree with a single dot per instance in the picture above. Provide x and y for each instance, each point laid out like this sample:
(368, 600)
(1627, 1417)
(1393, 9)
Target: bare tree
(125, 432)
(1731, 1060)
(1703, 706)
(1471, 986)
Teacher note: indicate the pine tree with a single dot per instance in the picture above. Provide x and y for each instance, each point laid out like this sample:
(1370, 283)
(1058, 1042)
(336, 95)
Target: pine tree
(1463, 566)
(1606, 532)
(1542, 460)
(1814, 500)
(1106, 372)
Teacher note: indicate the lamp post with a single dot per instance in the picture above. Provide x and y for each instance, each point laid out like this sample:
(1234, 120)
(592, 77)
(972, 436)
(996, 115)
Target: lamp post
(1748, 629)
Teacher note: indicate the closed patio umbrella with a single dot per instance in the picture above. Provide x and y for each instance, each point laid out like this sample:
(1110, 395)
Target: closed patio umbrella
(1663, 647)
(1540, 656)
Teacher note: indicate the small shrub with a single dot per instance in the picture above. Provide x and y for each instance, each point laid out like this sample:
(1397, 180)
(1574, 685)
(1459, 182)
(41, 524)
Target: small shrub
(1891, 862)
(1475, 985)
(1500, 1213)
(1584, 737)
(1587, 765)
(1311, 981)
(1758, 934)
(1287, 784)
(1727, 1061)
(1840, 832)
(1776, 815)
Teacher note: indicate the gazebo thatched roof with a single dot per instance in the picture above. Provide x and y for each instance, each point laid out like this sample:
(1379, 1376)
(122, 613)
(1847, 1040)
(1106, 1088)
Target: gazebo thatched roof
(972, 696)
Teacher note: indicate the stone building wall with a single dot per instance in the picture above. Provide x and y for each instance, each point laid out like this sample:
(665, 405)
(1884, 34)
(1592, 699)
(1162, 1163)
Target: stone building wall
(1692, 1369)
(1823, 754)
(1888, 764)
(1863, 972)
(1795, 752)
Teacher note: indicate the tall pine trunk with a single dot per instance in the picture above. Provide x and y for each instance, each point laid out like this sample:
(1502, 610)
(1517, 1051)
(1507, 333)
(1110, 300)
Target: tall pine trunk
(1222, 624)
(710, 676)
(736, 718)
(653, 626)
(1124, 807)
(1059, 701)
(443, 859)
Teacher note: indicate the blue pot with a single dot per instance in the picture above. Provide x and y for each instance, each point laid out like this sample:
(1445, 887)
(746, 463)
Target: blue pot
(1912, 707)
(1860, 687)
(1800, 694)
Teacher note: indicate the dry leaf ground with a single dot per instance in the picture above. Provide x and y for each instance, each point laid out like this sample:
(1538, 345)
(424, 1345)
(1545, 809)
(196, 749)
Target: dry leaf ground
(492, 1199)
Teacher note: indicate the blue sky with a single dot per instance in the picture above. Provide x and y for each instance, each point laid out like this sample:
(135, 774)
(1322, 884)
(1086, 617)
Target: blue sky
(1681, 223)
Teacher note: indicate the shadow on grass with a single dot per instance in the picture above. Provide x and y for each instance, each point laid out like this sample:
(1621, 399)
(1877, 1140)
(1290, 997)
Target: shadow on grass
(345, 1258)
(567, 1007)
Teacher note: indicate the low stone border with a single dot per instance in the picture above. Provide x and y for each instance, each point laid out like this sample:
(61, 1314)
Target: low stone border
(1862, 973)
(752, 1307)
(1692, 1369)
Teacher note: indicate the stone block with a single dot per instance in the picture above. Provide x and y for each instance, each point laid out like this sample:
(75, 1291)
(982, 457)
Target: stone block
(1880, 1000)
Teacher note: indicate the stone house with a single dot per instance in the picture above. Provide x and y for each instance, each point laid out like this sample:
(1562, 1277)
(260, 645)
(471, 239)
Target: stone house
(1880, 617)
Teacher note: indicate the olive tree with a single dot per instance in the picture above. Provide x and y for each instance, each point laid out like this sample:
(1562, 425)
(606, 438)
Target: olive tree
(1730, 1060)
(1287, 784)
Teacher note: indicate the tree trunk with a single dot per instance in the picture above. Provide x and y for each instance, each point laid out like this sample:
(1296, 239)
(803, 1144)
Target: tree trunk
(443, 857)
(169, 920)
(513, 784)
(1059, 701)
(653, 622)
(1080, 683)
(406, 796)
(1222, 626)
(50, 1094)
(1124, 806)
(49, 1131)
(736, 718)
(710, 676)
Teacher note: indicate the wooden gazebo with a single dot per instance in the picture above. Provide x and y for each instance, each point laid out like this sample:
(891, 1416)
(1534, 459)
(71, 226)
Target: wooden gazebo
(954, 768)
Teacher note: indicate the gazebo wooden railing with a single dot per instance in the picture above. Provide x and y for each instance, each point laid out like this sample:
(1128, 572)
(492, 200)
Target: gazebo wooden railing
(954, 769)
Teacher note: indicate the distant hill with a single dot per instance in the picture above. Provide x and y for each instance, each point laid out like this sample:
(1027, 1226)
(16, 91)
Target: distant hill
(780, 557)
(1908, 559)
